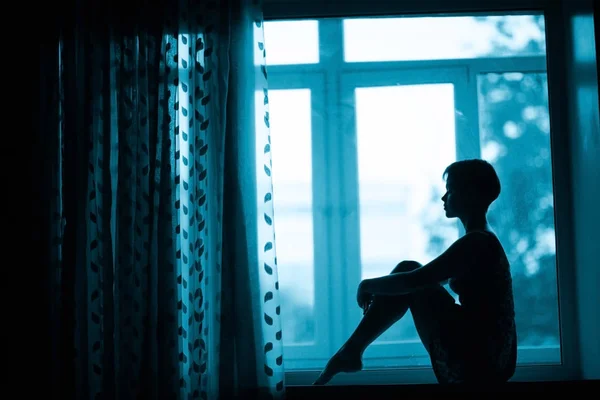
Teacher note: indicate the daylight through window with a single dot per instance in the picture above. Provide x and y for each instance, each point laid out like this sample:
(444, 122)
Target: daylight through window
(365, 114)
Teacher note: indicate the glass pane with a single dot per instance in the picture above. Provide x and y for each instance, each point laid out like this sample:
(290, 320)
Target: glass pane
(435, 38)
(402, 153)
(515, 138)
(290, 129)
(290, 42)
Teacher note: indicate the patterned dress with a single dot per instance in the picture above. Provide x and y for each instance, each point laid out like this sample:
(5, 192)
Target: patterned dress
(477, 340)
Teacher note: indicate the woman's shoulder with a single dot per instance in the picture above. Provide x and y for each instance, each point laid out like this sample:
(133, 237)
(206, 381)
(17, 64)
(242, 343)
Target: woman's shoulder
(487, 241)
(485, 235)
(481, 236)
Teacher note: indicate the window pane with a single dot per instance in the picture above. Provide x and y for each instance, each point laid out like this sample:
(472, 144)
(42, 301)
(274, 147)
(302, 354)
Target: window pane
(434, 38)
(290, 42)
(515, 138)
(402, 153)
(290, 128)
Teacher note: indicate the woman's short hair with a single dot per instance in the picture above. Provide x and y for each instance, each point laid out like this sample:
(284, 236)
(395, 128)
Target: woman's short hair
(475, 174)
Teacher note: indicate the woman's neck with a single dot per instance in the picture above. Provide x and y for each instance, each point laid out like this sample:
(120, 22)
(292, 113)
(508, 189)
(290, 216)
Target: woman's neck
(477, 222)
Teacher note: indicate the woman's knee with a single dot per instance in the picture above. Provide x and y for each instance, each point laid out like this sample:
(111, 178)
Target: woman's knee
(406, 266)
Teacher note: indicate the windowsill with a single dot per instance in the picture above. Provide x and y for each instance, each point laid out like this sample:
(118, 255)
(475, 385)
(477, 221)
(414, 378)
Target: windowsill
(535, 364)
(422, 376)
(392, 391)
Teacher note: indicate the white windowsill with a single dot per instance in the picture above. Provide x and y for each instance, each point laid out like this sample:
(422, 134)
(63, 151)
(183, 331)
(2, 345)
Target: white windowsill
(420, 376)
(535, 364)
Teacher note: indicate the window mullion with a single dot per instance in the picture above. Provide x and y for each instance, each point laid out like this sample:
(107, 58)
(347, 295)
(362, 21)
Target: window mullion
(322, 218)
(466, 110)
(331, 59)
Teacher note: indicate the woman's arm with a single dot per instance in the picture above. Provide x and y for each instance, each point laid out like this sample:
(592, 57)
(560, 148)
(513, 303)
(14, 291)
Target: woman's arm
(459, 257)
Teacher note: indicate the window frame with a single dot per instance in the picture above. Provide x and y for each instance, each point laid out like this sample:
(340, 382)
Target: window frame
(332, 62)
(321, 208)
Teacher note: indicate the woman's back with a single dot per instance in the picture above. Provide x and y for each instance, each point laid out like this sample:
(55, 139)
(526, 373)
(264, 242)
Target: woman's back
(486, 297)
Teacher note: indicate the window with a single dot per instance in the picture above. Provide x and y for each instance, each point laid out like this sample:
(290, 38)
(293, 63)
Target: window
(291, 42)
(363, 122)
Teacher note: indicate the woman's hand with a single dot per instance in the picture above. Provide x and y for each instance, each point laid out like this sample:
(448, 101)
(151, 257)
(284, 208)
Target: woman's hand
(363, 297)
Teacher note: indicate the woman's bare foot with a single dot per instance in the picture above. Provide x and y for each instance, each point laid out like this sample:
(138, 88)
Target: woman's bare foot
(342, 361)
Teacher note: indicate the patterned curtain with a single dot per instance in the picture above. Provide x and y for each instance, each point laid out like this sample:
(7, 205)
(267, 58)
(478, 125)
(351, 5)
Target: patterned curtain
(163, 275)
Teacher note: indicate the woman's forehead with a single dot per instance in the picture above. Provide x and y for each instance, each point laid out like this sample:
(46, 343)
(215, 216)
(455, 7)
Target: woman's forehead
(454, 184)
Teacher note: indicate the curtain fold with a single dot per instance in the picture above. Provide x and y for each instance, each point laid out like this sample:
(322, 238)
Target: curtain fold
(162, 256)
(253, 299)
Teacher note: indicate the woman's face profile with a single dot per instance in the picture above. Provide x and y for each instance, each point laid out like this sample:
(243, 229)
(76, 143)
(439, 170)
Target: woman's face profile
(453, 202)
(448, 199)
(459, 201)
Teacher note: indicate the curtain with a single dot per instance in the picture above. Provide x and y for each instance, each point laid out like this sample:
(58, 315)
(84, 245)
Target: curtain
(159, 218)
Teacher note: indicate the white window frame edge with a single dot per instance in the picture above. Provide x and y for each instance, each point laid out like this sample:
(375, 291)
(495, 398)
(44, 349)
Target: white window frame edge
(569, 369)
(321, 207)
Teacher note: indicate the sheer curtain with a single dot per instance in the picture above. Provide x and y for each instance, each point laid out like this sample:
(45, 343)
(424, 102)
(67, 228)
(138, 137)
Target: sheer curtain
(163, 276)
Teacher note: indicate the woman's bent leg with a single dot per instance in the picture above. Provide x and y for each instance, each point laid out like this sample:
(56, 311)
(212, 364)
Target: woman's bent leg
(382, 313)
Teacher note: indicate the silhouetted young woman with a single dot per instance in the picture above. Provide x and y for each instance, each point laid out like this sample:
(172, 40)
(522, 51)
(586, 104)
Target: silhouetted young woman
(474, 341)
